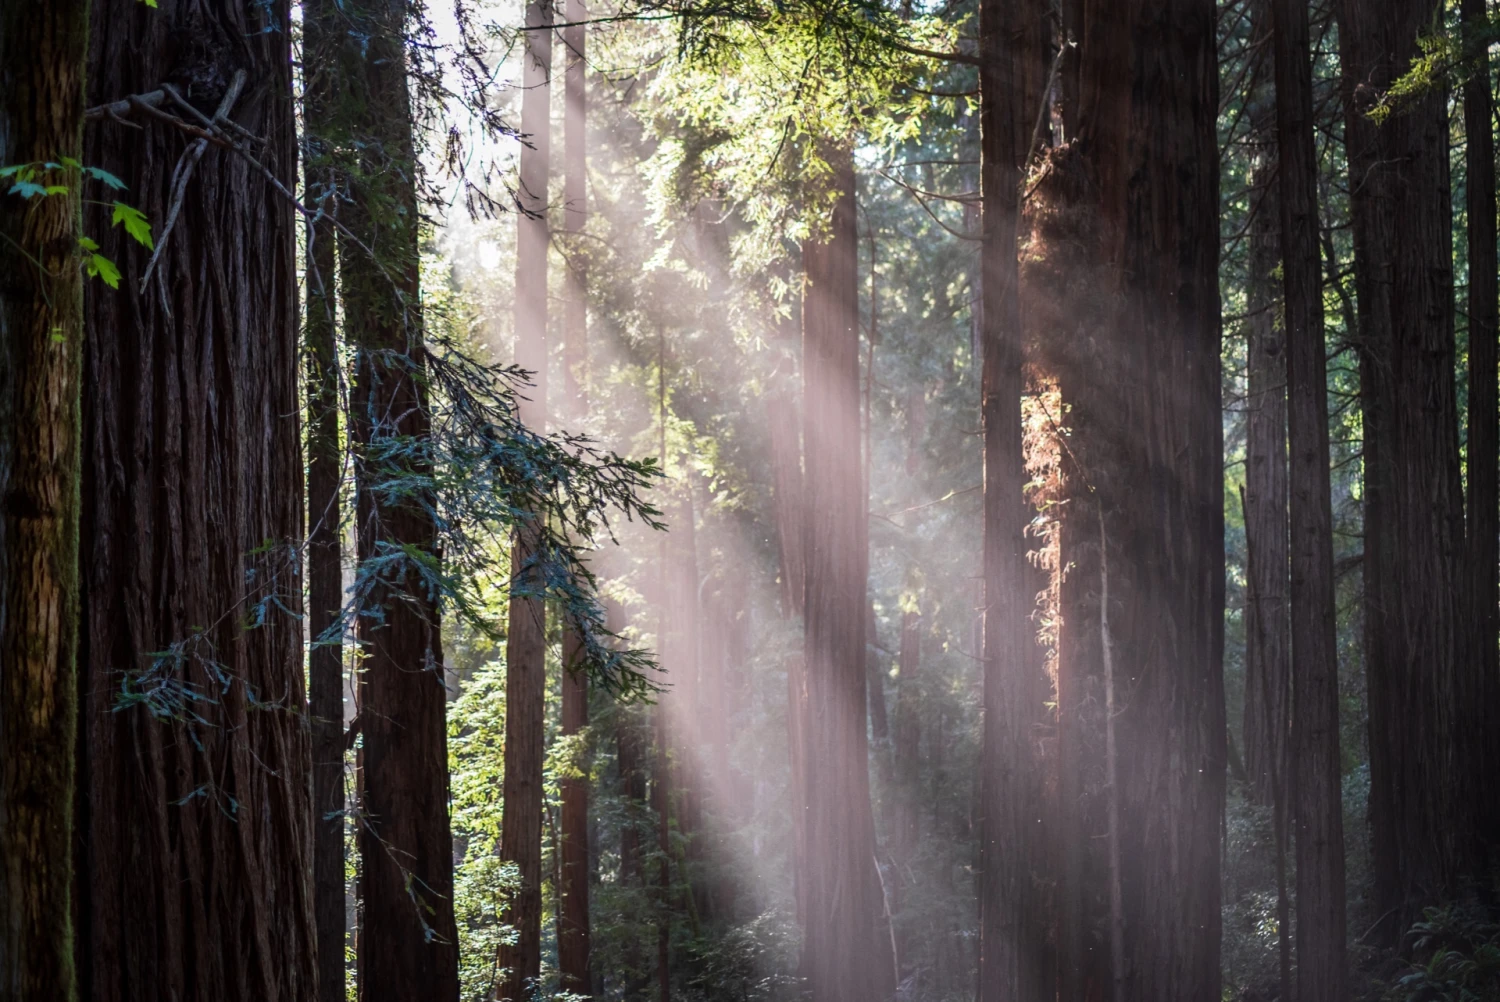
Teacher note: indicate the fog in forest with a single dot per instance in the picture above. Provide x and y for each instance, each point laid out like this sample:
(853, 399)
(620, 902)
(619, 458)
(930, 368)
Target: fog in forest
(796, 501)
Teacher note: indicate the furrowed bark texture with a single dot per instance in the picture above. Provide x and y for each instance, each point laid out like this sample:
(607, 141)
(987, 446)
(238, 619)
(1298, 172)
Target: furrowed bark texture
(1422, 802)
(1013, 926)
(1138, 357)
(407, 937)
(194, 839)
(325, 590)
(42, 52)
(526, 643)
(846, 948)
(1267, 653)
(1484, 412)
(1319, 812)
(573, 913)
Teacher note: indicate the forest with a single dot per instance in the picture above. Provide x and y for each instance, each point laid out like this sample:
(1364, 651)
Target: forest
(749, 501)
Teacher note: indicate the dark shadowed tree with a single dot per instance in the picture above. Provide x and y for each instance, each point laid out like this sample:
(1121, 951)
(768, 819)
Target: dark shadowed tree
(1319, 810)
(407, 938)
(193, 804)
(322, 55)
(1013, 961)
(1421, 819)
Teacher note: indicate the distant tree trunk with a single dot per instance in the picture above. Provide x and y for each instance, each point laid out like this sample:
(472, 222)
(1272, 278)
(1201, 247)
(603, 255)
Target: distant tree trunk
(194, 837)
(846, 949)
(1319, 813)
(42, 52)
(661, 804)
(321, 65)
(407, 939)
(1013, 929)
(880, 723)
(526, 643)
(633, 789)
(1267, 655)
(1139, 653)
(1421, 811)
(1484, 412)
(787, 487)
(573, 914)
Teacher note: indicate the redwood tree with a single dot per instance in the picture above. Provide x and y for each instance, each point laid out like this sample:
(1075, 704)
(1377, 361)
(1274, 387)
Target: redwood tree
(1421, 812)
(526, 643)
(194, 815)
(846, 948)
(407, 937)
(1319, 810)
(573, 894)
(1013, 925)
(42, 53)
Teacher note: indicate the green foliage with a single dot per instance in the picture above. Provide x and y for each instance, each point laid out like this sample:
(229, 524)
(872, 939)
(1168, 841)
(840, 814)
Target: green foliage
(1454, 957)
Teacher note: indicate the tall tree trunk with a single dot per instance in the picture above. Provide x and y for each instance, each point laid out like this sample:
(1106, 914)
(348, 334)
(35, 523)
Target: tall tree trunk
(195, 837)
(846, 949)
(1484, 412)
(42, 52)
(1422, 825)
(1319, 813)
(573, 913)
(661, 804)
(1012, 929)
(325, 671)
(526, 644)
(408, 940)
(1267, 661)
(1142, 597)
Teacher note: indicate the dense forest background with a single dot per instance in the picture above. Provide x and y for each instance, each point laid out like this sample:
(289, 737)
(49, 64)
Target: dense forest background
(749, 500)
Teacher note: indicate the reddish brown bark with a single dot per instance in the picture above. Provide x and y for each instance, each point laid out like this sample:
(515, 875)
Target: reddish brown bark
(194, 837)
(42, 52)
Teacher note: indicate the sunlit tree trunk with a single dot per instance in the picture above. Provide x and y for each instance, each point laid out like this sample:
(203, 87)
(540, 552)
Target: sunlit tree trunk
(42, 52)
(1484, 413)
(1421, 811)
(1319, 812)
(194, 836)
(846, 947)
(322, 64)
(526, 642)
(573, 913)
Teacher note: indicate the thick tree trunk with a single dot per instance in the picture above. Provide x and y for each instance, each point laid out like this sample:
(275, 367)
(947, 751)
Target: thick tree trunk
(846, 948)
(1319, 812)
(1143, 593)
(1484, 415)
(407, 940)
(42, 52)
(1013, 958)
(573, 912)
(325, 671)
(526, 644)
(195, 836)
(1421, 810)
